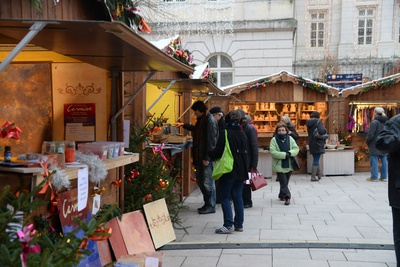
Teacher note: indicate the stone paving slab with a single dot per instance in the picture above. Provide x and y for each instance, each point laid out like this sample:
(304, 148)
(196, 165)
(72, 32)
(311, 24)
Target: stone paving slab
(337, 209)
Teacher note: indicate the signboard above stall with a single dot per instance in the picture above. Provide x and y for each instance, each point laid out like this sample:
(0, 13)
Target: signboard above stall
(342, 81)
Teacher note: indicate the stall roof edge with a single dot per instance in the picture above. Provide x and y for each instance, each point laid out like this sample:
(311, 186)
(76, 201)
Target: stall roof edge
(283, 76)
(375, 84)
(199, 86)
(108, 45)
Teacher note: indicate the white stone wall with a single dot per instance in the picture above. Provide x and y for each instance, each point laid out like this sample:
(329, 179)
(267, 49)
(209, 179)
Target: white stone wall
(261, 43)
(341, 37)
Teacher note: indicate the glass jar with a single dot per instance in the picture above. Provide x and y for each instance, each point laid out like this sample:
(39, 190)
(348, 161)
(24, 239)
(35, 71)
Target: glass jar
(69, 151)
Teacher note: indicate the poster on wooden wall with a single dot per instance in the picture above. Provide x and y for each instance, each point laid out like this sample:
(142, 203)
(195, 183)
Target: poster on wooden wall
(80, 122)
(159, 222)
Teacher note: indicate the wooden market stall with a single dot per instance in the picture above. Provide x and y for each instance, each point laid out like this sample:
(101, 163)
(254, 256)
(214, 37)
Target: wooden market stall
(267, 99)
(359, 103)
(189, 90)
(67, 53)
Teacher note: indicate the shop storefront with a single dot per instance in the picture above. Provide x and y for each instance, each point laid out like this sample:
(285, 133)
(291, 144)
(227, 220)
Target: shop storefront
(267, 99)
(360, 102)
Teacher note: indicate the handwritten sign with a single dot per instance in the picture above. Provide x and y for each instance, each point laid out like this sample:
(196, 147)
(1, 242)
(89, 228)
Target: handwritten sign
(159, 222)
(83, 188)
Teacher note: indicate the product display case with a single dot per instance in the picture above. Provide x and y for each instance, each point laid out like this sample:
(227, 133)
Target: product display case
(266, 115)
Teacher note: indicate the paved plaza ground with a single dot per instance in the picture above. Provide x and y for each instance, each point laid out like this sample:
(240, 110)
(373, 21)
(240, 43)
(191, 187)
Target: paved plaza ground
(338, 221)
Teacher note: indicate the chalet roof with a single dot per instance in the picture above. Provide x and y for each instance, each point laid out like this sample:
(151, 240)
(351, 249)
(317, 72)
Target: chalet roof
(375, 84)
(108, 45)
(282, 76)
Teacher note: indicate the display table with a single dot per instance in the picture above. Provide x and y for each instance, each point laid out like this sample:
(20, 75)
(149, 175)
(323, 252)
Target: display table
(265, 163)
(71, 171)
(334, 162)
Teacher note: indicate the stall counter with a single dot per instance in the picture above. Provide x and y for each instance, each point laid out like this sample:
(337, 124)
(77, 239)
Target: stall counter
(71, 172)
(265, 163)
(334, 162)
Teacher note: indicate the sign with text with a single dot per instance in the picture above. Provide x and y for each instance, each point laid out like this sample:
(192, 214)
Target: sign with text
(343, 81)
(80, 121)
(68, 207)
(159, 222)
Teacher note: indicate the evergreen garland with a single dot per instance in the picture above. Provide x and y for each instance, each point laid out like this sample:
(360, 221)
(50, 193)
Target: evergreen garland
(379, 84)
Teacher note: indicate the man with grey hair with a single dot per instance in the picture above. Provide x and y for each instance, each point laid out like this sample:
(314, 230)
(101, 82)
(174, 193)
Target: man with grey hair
(375, 128)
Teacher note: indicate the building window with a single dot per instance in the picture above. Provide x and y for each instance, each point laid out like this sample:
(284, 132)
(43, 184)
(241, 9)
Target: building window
(317, 31)
(223, 69)
(365, 24)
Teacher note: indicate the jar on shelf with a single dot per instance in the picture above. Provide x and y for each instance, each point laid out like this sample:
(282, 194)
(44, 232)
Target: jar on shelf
(69, 151)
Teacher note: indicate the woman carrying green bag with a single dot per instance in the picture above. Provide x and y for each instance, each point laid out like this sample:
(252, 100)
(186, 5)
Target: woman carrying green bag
(231, 184)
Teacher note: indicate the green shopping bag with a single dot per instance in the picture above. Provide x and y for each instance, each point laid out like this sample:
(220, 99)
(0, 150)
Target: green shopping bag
(225, 163)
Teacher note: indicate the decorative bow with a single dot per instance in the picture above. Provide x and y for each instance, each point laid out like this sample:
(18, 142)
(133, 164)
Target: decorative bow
(117, 182)
(100, 234)
(47, 176)
(25, 236)
(9, 129)
(159, 149)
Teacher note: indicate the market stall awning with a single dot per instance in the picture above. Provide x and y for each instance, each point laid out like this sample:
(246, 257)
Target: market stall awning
(108, 45)
(195, 86)
(282, 76)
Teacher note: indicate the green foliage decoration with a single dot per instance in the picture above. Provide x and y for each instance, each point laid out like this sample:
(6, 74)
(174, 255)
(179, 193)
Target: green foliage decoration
(56, 249)
(155, 177)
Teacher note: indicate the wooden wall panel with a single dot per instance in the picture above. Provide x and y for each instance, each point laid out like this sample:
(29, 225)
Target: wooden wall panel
(388, 94)
(25, 98)
(63, 10)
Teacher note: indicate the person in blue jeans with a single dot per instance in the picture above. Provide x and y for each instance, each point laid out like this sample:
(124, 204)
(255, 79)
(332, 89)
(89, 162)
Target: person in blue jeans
(317, 146)
(231, 184)
(205, 136)
(375, 128)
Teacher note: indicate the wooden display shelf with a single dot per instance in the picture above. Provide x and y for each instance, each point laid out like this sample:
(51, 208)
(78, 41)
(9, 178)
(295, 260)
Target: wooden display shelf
(72, 171)
(265, 110)
(265, 120)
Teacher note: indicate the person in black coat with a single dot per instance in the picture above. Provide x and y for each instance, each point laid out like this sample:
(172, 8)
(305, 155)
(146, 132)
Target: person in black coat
(205, 135)
(316, 146)
(231, 184)
(251, 134)
(388, 141)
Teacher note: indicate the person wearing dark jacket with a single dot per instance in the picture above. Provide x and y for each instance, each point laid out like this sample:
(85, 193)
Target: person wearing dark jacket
(388, 141)
(316, 146)
(375, 128)
(251, 134)
(205, 135)
(231, 184)
(219, 117)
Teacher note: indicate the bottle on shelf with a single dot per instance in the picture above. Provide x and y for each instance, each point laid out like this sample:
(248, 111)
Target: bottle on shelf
(7, 154)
